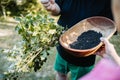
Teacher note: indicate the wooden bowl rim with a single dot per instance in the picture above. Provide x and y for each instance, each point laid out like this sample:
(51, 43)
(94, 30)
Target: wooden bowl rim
(91, 49)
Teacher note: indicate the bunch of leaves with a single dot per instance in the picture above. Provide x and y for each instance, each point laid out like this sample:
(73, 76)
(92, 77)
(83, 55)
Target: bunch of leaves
(39, 34)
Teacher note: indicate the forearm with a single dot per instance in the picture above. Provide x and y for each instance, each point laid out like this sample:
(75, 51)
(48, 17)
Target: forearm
(116, 58)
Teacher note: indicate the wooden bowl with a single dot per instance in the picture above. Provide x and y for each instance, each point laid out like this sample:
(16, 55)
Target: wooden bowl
(97, 23)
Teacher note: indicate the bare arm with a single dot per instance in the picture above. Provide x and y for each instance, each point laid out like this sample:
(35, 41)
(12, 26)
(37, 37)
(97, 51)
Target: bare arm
(110, 51)
(51, 6)
(116, 13)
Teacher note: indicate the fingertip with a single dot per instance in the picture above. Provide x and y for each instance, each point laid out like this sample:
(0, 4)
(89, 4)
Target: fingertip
(102, 39)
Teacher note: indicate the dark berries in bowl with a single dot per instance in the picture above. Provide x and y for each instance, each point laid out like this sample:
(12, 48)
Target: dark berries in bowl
(87, 40)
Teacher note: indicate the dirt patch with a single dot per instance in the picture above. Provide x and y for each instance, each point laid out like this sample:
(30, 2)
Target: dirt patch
(5, 32)
(8, 36)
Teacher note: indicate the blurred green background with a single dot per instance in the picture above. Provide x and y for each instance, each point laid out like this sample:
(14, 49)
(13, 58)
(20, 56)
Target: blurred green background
(8, 38)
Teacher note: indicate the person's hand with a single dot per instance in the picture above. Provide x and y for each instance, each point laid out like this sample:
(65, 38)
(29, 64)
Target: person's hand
(49, 4)
(109, 48)
(110, 51)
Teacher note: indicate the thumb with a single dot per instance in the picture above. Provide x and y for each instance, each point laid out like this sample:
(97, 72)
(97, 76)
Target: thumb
(52, 1)
(105, 41)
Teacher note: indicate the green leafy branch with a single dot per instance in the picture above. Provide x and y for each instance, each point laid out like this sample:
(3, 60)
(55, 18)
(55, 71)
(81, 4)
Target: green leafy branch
(39, 34)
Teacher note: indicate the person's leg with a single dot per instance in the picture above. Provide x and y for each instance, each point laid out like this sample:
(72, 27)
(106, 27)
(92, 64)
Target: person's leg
(61, 76)
(61, 68)
(77, 71)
